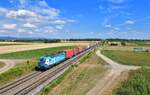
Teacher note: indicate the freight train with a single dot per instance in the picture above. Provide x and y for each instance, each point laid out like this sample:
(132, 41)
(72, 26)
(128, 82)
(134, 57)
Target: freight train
(48, 61)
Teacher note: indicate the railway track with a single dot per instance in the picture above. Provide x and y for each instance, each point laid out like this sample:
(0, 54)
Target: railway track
(26, 84)
(40, 81)
(17, 82)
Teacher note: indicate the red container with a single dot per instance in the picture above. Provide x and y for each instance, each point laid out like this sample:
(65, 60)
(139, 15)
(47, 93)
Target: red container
(76, 51)
(82, 48)
(69, 53)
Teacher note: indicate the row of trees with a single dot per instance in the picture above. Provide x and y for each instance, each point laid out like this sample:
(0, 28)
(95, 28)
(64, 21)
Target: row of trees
(126, 40)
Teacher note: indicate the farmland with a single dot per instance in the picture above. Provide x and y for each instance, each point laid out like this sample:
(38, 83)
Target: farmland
(125, 48)
(33, 53)
(79, 79)
(25, 68)
(129, 57)
(32, 46)
(13, 43)
(9, 44)
(139, 43)
(138, 83)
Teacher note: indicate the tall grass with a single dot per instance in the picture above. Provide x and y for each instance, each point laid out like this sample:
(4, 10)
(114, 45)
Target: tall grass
(137, 84)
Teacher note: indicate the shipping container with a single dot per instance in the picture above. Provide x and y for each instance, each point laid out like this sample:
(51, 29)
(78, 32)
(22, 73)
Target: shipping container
(69, 53)
(80, 49)
(76, 51)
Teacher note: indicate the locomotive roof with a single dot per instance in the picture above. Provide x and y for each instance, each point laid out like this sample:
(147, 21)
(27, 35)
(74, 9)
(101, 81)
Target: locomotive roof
(52, 55)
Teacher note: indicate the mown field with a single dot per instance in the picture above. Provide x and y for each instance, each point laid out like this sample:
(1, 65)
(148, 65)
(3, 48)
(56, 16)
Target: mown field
(138, 83)
(129, 57)
(78, 79)
(33, 53)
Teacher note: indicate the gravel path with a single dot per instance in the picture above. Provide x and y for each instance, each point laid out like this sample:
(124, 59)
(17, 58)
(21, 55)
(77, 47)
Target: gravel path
(8, 64)
(106, 83)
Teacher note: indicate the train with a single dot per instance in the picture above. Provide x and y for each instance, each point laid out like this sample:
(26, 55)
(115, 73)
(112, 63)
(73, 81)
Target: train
(48, 61)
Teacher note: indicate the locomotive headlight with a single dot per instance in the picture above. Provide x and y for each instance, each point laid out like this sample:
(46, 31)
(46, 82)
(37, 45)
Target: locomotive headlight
(47, 61)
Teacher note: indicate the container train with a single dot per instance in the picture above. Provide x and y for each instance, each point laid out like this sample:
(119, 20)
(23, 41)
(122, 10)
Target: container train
(48, 61)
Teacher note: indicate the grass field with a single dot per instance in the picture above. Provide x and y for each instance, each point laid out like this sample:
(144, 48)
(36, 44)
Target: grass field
(18, 71)
(138, 83)
(33, 53)
(78, 79)
(139, 43)
(129, 57)
(1, 44)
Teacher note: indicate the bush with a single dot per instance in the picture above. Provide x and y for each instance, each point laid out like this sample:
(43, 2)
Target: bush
(123, 43)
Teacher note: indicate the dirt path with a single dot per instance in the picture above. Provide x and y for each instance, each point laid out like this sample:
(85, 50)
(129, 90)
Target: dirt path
(15, 48)
(9, 64)
(107, 83)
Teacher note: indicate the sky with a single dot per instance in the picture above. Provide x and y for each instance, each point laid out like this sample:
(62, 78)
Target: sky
(75, 18)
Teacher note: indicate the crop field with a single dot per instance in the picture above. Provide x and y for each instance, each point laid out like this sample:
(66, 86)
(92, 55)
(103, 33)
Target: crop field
(78, 79)
(129, 57)
(32, 46)
(138, 83)
(9, 44)
(13, 43)
(33, 53)
(124, 48)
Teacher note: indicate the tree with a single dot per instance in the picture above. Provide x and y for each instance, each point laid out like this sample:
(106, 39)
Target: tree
(123, 43)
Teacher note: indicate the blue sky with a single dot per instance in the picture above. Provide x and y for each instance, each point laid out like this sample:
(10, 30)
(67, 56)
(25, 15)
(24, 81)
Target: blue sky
(75, 18)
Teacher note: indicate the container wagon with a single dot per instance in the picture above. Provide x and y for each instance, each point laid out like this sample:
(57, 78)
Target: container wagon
(69, 53)
(76, 51)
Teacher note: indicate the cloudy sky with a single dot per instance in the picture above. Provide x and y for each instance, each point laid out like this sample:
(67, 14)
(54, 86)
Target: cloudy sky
(75, 18)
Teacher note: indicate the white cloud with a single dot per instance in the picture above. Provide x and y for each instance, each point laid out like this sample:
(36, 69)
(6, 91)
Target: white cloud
(59, 27)
(21, 13)
(32, 17)
(29, 25)
(116, 28)
(50, 30)
(117, 1)
(3, 11)
(71, 20)
(9, 26)
(59, 22)
(108, 26)
(130, 22)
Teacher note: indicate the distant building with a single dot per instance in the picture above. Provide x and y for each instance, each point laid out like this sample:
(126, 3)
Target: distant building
(138, 49)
